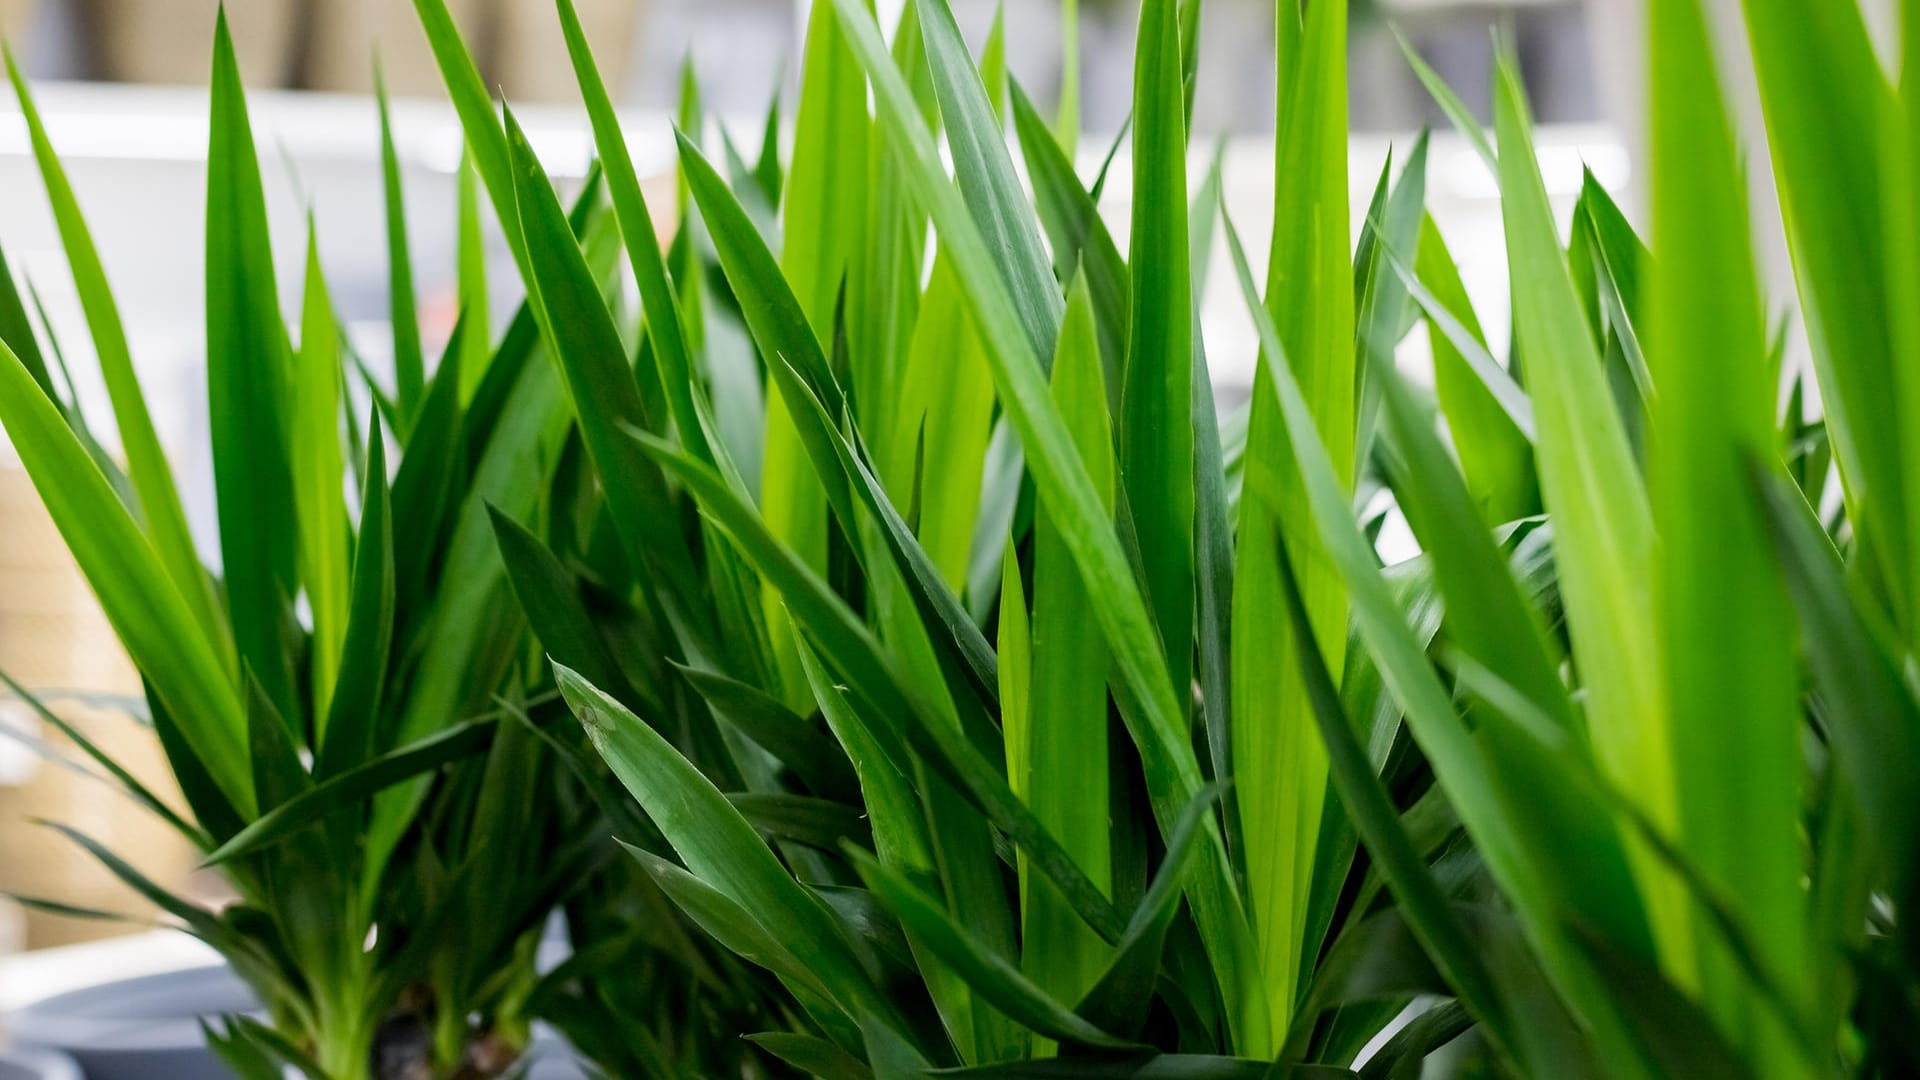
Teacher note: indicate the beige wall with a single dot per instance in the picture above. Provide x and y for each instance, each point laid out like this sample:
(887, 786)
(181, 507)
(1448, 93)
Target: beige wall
(330, 44)
(53, 636)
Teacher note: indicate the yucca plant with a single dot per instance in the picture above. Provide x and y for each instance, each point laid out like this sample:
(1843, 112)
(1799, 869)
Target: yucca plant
(349, 705)
(961, 828)
(1557, 775)
(990, 703)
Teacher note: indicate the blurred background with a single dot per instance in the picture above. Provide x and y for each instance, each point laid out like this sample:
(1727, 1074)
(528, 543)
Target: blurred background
(121, 84)
(744, 49)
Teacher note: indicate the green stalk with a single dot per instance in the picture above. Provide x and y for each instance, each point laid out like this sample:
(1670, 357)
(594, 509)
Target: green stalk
(1280, 762)
(1727, 627)
(825, 206)
(1065, 747)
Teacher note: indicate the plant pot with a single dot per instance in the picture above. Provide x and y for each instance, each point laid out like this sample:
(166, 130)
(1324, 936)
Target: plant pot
(138, 1029)
(346, 33)
(171, 41)
(23, 1064)
(531, 53)
(147, 1028)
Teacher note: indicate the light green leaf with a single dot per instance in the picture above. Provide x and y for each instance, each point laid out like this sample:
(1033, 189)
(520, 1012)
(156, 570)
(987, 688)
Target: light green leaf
(1066, 752)
(718, 845)
(606, 397)
(1153, 711)
(1602, 523)
(983, 170)
(1726, 626)
(1280, 765)
(249, 378)
(1155, 434)
(140, 599)
(159, 510)
(409, 364)
(318, 477)
(471, 280)
(988, 973)
(1495, 453)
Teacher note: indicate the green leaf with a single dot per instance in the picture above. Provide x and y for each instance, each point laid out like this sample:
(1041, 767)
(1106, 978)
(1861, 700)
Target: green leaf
(1081, 242)
(767, 170)
(1825, 100)
(1576, 844)
(1065, 777)
(993, 65)
(1147, 1067)
(1155, 434)
(1119, 1001)
(318, 476)
(555, 611)
(945, 417)
(354, 786)
(486, 140)
(1405, 1054)
(428, 486)
(1457, 111)
(821, 824)
(1280, 766)
(1726, 621)
(1374, 959)
(1676, 1034)
(512, 434)
(249, 376)
(657, 295)
(994, 976)
(1382, 305)
(159, 510)
(1464, 337)
(250, 1044)
(815, 1057)
(240, 950)
(983, 169)
(787, 736)
(858, 659)
(1154, 713)
(471, 280)
(76, 418)
(823, 215)
(1213, 530)
(1400, 656)
(718, 845)
(17, 332)
(883, 298)
(1370, 805)
(142, 602)
(1495, 453)
(902, 829)
(354, 707)
(827, 179)
(1602, 524)
(1872, 718)
(1189, 56)
(605, 395)
(736, 927)
(800, 370)
(72, 911)
(409, 365)
(1497, 626)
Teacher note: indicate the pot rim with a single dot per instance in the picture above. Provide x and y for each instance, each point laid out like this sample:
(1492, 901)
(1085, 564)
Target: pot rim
(43, 1064)
(128, 1015)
